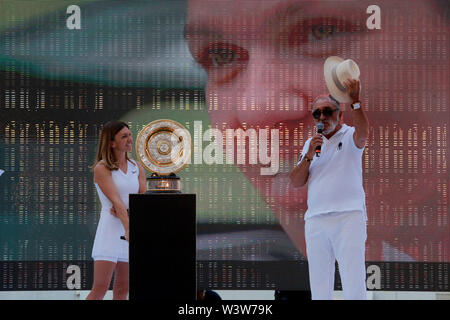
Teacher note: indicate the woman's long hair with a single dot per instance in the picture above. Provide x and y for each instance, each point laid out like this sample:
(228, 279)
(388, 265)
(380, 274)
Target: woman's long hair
(104, 151)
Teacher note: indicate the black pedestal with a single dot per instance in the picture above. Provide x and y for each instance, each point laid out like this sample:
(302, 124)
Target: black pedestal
(162, 247)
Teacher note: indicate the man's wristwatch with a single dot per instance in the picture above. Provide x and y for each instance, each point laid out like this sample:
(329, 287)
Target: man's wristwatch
(356, 105)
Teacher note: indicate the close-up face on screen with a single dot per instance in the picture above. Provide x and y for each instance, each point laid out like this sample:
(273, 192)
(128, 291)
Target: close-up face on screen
(241, 76)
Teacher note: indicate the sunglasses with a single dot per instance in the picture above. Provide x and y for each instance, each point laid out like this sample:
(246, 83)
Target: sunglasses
(327, 112)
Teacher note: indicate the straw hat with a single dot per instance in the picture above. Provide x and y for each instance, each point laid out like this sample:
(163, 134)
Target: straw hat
(336, 70)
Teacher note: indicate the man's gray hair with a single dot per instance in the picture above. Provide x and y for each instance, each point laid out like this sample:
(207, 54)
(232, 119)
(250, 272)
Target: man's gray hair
(327, 98)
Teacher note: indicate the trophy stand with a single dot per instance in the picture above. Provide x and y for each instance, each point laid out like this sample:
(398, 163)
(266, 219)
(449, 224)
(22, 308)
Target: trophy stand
(162, 221)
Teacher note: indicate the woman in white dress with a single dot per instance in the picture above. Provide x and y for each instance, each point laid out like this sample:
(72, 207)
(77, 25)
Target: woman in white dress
(115, 177)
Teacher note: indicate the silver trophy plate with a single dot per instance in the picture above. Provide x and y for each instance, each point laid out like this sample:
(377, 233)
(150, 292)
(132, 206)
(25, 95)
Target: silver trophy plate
(164, 147)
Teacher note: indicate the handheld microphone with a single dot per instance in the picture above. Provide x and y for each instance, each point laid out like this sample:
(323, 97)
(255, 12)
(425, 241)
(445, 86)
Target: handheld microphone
(320, 127)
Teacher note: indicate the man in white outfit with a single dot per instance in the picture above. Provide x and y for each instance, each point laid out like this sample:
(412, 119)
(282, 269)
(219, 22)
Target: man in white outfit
(335, 222)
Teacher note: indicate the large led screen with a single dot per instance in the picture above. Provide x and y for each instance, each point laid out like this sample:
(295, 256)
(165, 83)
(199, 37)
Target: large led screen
(240, 76)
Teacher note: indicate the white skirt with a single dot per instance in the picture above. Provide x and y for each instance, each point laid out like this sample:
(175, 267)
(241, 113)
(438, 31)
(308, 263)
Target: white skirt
(107, 243)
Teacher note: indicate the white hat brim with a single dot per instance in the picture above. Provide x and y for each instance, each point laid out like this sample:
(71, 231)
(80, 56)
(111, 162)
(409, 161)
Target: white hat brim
(328, 66)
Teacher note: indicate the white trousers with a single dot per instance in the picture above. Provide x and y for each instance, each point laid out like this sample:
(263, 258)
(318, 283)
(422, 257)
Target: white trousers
(337, 236)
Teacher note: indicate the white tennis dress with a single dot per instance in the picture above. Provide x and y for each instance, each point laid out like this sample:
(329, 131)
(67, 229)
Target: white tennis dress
(107, 244)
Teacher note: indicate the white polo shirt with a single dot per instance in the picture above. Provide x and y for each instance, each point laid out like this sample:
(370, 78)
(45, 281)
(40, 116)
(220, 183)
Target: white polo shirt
(335, 178)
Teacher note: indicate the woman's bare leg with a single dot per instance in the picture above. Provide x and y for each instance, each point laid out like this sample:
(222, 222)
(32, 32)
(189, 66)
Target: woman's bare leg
(103, 271)
(121, 281)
